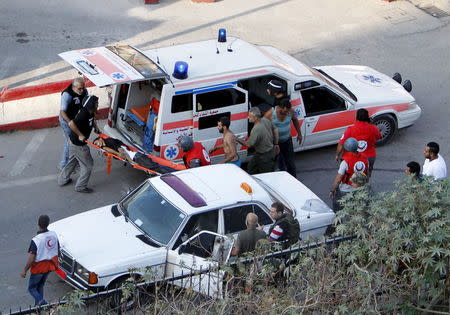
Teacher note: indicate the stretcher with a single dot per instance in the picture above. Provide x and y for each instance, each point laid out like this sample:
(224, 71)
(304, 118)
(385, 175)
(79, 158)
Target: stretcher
(140, 114)
(155, 159)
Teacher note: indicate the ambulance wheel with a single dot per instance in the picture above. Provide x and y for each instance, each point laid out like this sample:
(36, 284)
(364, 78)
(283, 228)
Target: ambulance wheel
(386, 124)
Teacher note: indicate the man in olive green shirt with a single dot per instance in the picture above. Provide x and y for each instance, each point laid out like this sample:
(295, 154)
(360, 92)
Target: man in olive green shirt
(264, 139)
(248, 238)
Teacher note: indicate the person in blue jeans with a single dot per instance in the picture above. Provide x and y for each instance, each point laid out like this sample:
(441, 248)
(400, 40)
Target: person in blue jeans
(42, 259)
(71, 99)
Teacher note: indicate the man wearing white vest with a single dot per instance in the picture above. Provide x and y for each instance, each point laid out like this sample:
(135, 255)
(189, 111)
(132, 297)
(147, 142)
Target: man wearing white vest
(43, 258)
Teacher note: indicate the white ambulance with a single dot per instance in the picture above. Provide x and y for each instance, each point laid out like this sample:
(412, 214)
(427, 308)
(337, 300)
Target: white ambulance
(162, 94)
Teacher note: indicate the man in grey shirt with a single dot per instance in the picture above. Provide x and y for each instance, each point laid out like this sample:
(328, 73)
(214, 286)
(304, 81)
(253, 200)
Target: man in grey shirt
(264, 139)
(247, 239)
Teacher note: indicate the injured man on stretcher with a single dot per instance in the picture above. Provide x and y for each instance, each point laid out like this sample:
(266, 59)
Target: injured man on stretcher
(117, 147)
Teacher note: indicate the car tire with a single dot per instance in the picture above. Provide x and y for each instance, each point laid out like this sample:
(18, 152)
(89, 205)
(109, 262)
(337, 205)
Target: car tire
(387, 126)
(115, 298)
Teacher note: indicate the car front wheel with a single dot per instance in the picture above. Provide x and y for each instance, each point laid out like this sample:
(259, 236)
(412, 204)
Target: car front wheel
(386, 125)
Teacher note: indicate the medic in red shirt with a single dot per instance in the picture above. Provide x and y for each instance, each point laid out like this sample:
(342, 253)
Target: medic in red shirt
(195, 154)
(366, 134)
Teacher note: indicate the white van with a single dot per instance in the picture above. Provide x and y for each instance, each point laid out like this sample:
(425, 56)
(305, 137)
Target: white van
(161, 94)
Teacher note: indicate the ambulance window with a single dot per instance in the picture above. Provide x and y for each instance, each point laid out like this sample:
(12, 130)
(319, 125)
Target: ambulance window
(220, 98)
(321, 100)
(181, 103)
(211, 120)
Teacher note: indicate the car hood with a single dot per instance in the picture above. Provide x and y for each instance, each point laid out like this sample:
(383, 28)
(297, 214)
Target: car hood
(300, 197)
(95, 238)
(369, 86)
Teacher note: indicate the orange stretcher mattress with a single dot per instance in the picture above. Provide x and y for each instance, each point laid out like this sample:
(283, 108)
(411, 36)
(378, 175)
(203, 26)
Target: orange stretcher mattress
(141, 112)
(155, 159)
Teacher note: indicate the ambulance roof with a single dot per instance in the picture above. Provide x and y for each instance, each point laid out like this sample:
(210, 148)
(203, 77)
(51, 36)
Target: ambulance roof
(218, 185)
(210, 58)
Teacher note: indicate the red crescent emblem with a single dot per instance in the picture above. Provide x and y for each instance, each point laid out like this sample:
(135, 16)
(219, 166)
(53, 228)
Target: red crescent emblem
(49, 243)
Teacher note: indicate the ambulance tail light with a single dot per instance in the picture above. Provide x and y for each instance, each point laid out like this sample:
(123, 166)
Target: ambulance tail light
(180, 70)
(222, 37)
(93, 279)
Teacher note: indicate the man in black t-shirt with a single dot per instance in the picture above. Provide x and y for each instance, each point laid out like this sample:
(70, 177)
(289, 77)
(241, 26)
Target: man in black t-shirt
(81, 127)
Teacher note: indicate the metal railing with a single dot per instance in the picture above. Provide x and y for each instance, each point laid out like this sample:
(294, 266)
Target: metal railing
(187, 279)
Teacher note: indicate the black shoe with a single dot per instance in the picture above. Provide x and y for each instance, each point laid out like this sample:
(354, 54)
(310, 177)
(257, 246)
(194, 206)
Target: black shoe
(85, 190)
(68, 182)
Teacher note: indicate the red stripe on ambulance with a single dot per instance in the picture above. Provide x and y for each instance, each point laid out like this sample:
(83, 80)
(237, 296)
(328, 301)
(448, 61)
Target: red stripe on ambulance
(347, 118)
(335, 120)
(177, 124)
(296, 102)
(107, 66)
(239, 116)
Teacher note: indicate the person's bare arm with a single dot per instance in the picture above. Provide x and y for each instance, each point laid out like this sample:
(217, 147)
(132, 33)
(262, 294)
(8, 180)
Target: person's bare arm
(30, 261)
(120, 153)
(296, 126)
(235, 251)
(339, 149)
(123, 154)
(77, 131)
(243, 142)
(276, 138)
(64, 115)
(335, 185)
(96, 129)
(220, 146)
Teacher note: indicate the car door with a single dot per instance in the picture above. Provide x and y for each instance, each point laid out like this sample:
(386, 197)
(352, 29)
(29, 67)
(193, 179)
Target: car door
(210, 104)
(297, 106)
(199, 248)
(189, 267)
(326, 116)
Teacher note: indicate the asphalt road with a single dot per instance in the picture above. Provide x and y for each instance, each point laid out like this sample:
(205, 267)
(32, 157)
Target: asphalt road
(28, 170)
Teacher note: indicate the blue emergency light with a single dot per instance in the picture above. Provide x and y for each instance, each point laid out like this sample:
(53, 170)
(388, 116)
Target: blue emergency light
(222, 38)
(180, 70)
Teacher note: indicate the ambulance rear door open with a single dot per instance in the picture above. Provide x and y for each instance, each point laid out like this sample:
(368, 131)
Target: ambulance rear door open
(212, 103)
(130, 70)
(112, 65)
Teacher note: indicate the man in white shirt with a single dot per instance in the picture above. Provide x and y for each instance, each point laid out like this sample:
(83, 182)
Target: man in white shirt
(434, 164)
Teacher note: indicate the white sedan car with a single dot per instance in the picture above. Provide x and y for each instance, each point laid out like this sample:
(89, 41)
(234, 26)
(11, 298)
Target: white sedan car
(158, 225)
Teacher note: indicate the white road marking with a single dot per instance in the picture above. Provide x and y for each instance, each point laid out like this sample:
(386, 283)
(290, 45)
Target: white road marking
(37, 180)
(28, 153)
(28, 181)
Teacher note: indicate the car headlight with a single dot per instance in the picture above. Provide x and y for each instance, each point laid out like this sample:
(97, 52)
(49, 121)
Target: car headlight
(86, 275)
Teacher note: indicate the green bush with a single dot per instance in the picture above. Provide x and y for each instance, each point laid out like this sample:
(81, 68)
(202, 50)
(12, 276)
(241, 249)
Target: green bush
(398, 263)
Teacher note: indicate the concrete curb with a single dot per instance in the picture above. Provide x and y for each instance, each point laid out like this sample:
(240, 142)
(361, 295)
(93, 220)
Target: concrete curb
(44, 122)
(36, 107)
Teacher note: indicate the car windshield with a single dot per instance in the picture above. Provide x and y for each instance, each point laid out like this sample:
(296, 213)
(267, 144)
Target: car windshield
(273, 194)
(332, 82)
(152, 214)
